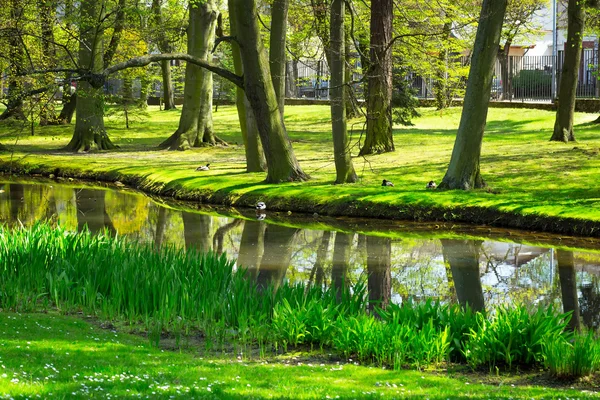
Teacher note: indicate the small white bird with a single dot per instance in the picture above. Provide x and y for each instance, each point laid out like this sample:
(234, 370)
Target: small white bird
(203, 168)
(261, 217)
(431, 185)
(261, 206)
(386, 183)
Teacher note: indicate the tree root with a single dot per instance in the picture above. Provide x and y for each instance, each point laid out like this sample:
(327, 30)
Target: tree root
(81, 144)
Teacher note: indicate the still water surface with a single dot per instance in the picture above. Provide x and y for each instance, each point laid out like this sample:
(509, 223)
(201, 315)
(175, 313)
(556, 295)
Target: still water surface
(396, 264)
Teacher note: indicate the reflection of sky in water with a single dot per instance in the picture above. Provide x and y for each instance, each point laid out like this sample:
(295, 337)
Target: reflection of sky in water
(509, 272)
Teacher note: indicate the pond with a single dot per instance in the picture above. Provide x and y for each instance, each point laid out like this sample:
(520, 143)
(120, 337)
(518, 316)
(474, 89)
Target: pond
(398, 261)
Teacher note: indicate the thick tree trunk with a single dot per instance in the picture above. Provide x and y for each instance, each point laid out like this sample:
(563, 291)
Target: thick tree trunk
(68, 110)
(291, 79)
(341, 143)
(47, 14)
(281, 161)
(277, 255)
(167, 85)
(118, 25)
(378, 138)
(197, 231)
(16, 60)
(341, 262)
(277, 50)
(463, 257)
(251, 247)
(379, 268)
(255, 158)
(195, 123)
(463, 171)
(563, 126)
(89, 131)
(568, 287)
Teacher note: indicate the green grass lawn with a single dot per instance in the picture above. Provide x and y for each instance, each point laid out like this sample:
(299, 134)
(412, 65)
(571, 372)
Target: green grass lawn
(51, 356)
(528, 175)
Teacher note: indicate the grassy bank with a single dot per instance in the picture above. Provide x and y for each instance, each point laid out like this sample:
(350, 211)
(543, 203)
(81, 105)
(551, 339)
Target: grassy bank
(184, 295)
(51, 356)
(533, 183)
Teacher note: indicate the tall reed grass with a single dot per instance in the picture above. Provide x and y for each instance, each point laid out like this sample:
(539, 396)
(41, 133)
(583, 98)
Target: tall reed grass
(178, 292)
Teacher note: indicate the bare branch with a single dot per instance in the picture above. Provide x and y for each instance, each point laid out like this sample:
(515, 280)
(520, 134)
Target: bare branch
(142, 61)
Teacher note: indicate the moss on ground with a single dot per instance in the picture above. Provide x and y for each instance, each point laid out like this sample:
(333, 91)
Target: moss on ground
(533, 183)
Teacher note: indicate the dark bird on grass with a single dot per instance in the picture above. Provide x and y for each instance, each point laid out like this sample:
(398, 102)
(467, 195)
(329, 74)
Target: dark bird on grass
(386, 183)
(261, 206)
(431, 185)
(203, 168)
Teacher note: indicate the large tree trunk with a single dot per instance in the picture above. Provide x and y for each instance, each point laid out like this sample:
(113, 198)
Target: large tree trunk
(463, 257)
(379, 137)
(69, 106)
(89, 131)
(16, 60)
(379, 268)
(341, 262)
(255, 158)
(341, 143)
(118, 25)
(47, 15)
(167, 85)
(463, 171)
(161, 227)
(277, 255)
(251, 247)
(195, 123)
(277, 50)
(219, 237)
(352, 110)
(291, 79)
(281, 161)
(568, 287)
(563, 126)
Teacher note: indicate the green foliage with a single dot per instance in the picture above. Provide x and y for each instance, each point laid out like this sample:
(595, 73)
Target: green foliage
(572, 356)
(512, 337)
(404, 102)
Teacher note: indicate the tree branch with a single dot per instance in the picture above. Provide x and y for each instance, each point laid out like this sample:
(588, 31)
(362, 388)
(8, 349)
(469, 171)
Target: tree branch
(224, 39)
(142, 61)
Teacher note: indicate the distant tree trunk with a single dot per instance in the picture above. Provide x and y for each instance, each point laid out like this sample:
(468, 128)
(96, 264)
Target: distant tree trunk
(341, 261)
(255, 158)
(161, 227)
(379, 269)
(89, 131)
(277, 49)
(463, 171)
(277, 255)
(16, 61)
(167, 85)
(251, 247)
(351, 106)
(291, 79)
(568, 287)
(341, 146)
(165, 65)
(318, 270)
(68, 110)
(505, 70)
(47, 15)
(195, 123)
(197, 231)
(442, 98)
(281, 161)
(118, 25)
(379, 137)
(16, 196)
(563, 126)
(463, 257)
(144, 91)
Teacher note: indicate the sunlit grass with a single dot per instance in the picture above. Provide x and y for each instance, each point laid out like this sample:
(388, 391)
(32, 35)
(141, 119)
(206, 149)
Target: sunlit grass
(528, 174)
(51, 356)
